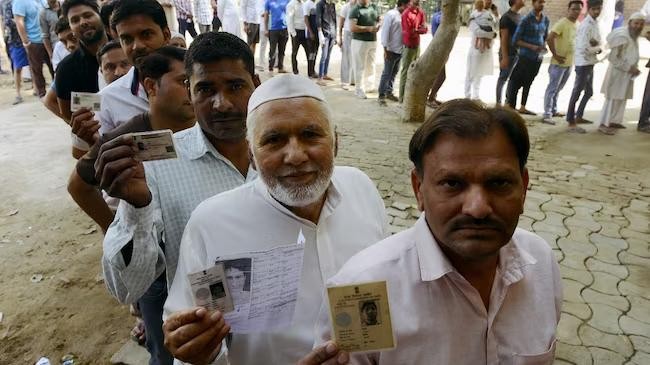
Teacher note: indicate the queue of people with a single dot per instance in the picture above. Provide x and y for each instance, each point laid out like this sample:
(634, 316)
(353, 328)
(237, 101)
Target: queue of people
(258, 152)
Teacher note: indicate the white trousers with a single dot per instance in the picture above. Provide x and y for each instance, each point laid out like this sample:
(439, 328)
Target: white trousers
(472, 87)
(363, 64)
(263, 42)
(613, 112)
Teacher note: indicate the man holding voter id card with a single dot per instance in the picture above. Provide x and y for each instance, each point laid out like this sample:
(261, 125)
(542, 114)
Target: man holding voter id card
(293, 227)
(464, 284)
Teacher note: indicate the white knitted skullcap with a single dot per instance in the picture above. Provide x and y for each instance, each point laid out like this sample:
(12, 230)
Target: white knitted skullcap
(284, 87)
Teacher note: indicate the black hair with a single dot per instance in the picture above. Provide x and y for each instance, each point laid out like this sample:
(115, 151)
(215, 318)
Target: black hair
(579, 2)
(619, 6)
(402, 2)
(216, 46)
(157, 63)
(468, 119)
(106, 11)
(110, 45)
(61, 25)
(125, 9)
(594, 3)
(69, 4)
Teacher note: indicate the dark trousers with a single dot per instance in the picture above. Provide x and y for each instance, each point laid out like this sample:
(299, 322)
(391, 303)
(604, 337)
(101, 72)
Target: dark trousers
(185, 26)
(437, 84)
(278, 42)
(522, 77)
(584, 82)
(299, 40)
(504, 75)
(311, 57)
(151, 306)
(645, 105)
(37, 55)
(391, 66)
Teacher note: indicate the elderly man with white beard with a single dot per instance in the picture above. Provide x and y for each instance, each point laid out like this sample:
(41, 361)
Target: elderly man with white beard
(337, 209)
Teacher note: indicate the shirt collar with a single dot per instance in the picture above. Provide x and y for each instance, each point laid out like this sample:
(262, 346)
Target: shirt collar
(332, 200)
(434, 264)
(195, 145)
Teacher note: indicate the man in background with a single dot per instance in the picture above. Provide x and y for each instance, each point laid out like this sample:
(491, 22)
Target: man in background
(391, 39)
(413, 25)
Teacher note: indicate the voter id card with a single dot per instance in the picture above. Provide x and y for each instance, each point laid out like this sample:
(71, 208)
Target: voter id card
(210, 289)
(155, 145)
(80, 100)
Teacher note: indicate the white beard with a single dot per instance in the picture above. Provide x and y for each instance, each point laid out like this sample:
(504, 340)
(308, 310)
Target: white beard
(299, 196)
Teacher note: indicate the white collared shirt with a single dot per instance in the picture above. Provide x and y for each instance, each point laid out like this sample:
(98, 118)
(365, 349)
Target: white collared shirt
(439, 318)
(295, 16)
(249, 10)
(248, 219)
(585, 53)
(177, 186)
(119, 104)
(391, 31)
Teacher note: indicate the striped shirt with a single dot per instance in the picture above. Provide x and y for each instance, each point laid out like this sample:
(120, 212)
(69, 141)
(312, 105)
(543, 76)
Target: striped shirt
(203, 13)
(183, 9)
(177, 187)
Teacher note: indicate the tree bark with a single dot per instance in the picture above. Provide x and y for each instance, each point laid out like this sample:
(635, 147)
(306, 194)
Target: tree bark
(425, 69)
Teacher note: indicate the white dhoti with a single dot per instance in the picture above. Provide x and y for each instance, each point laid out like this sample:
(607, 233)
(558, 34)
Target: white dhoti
(613, 112)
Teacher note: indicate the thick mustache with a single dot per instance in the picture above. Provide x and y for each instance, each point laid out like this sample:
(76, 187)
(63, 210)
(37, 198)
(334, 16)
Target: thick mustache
(474, 223)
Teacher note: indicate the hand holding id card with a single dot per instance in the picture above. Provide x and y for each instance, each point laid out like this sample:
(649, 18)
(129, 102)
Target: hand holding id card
(154, 145)
(360, 317)
(210, 289)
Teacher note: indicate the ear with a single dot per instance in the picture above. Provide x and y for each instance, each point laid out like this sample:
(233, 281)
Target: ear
(150, 86)
(524, 181)
(251, 158)
(167, 34)
(336, 142)
(416, 183)
(256, 80)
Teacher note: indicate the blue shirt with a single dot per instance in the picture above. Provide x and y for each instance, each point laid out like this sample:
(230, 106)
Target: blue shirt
(30, 10)
(531, 31)
(277, 10)
(436, 18)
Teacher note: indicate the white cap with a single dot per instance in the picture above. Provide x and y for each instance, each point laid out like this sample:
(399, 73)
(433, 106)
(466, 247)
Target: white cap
(175, 34)
(284, 87)
(637, 16)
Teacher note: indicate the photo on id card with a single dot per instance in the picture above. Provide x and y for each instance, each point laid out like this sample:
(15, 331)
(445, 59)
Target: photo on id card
(360, 317)
(210, 289)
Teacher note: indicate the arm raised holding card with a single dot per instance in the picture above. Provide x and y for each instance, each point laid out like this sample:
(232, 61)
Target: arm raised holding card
(84, 125)
(120, 174)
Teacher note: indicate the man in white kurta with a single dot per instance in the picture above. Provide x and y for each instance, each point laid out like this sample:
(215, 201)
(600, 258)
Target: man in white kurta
(228, 12)
(480, 62)
(257, 218)
(618, 84)
(465, 286)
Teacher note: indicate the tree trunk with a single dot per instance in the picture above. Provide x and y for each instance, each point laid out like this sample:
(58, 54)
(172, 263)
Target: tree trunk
(425, 69)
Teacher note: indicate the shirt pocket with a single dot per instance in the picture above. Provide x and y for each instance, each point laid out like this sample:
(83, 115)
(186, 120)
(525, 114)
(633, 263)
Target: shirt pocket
(545, 358)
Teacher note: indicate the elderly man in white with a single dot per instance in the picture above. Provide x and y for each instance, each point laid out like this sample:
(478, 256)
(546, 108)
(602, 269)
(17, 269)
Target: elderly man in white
(618, 85)
(465, 285)
(337, 209)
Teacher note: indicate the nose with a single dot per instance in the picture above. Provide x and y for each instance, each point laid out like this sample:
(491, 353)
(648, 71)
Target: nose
(121, 71)
(295, 153)
(476, 203)
(221, 103)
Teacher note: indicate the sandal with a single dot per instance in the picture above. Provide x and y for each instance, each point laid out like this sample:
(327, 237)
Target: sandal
(577, 130)
(525, 111)
(617, 126)
(138, 333)
(606, 130)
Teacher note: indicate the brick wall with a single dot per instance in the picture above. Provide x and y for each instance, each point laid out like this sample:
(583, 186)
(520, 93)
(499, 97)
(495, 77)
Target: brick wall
(556, 9)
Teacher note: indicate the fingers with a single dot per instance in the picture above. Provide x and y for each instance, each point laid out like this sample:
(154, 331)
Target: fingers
(178, 319)
(198, 340)
(112, 150)
(112, 162)
(325, 354)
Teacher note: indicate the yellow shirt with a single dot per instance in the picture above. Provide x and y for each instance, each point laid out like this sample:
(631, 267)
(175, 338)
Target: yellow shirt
(565, 41)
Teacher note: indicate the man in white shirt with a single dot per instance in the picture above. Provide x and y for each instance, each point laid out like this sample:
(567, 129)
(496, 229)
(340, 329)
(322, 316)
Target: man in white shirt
(203, 14)
(251, 18)
(296, 27)
(345, 42)
(300, 193)
(588, 46)
(141, 245)
(465, 285)
(618, 85)
(391, 39)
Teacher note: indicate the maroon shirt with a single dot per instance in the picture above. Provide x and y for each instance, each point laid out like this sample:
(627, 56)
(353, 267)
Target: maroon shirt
(412, 26)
